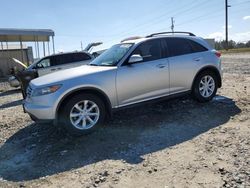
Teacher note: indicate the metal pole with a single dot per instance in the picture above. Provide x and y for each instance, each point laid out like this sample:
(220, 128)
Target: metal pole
(8, 55)
(48, 48)
(21, 45)
(35, 46)
(226, 24)
(53, 44)
(2, 45)
(38, 47)
(43, 48)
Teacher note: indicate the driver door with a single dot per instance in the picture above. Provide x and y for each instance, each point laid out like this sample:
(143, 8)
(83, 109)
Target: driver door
(44, 66)
(144, 80)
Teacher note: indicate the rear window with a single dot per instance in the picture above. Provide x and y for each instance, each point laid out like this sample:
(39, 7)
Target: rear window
(178, 46)
(80, 57)
(197, 47)
(71, 58)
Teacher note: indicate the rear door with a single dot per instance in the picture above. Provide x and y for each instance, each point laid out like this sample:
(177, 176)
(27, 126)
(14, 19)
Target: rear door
(143, 80)
(183, 63)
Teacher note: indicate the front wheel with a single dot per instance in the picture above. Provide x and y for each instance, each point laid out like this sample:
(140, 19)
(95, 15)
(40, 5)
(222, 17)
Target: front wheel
(205, 86)
(82, 114)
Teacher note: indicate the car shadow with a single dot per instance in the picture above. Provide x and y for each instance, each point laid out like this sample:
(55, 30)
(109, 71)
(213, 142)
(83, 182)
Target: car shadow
(41, 150)
(11, 104)
(9, 92)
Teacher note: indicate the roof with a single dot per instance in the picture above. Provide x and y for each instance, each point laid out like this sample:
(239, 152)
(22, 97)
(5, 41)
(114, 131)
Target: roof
(135, 41)
(25, 35)
(138, 39)
(65, 53)
(13, 47)
(195, 38)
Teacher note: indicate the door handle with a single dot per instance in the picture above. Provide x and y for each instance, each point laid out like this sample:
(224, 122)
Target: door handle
(197, 59)
(160, 66)
(56, 69)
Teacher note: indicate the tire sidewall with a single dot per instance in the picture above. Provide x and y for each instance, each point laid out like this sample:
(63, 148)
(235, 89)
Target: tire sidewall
(196, 92)
(64, 116)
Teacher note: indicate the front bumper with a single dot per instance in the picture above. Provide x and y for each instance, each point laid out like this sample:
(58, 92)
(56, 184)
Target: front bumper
(40, 112)
(41, 108)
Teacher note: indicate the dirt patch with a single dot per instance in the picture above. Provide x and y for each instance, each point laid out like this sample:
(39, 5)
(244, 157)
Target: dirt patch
(177, 143)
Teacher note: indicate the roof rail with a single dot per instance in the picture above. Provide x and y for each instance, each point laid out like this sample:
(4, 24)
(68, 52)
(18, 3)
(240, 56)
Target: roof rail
(162, 33)
(131, 38)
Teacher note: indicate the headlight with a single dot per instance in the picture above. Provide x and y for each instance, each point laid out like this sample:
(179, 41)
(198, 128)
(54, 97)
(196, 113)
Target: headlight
(45, 90)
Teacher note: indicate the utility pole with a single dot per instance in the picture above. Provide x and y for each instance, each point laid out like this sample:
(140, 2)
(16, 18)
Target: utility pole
(81, 46)
(226, 24)
(172, 24)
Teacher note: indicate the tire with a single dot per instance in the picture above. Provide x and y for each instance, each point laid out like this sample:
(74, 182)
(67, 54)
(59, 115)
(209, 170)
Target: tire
(71, 114)
(208, 81)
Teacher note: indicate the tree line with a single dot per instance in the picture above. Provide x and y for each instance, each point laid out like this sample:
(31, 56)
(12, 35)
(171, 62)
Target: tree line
(219, 45)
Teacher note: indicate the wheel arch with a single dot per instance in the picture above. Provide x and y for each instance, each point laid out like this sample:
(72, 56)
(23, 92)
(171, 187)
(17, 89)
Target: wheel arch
(77, 91)
(209, 68)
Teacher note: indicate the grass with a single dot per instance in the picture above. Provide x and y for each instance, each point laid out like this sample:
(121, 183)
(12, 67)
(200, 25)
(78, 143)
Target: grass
(235, 50)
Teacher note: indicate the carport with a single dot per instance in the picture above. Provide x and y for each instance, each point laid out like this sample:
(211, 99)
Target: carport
(28, 35)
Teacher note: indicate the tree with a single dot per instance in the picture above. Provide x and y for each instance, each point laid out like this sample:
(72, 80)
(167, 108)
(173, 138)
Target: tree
(248, 44)
(219, 45)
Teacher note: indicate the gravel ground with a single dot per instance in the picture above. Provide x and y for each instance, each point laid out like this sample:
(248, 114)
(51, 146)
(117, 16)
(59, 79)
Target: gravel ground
(177, 143)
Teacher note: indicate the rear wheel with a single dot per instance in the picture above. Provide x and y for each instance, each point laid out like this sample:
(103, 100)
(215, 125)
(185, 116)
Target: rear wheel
(205, 86)
(82, 114)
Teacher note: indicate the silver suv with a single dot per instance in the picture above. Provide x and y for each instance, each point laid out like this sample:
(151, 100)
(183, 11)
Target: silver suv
(136, 70)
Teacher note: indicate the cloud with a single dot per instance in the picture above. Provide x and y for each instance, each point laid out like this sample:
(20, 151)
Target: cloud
(238, 37)
(216, 35)
(241, 37)
(246, 18)
(229, 26)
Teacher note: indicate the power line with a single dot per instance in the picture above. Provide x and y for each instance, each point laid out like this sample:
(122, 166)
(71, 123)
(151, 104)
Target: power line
(155, 20)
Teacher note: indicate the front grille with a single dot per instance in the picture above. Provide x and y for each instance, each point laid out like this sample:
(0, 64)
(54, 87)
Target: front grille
(29, 91)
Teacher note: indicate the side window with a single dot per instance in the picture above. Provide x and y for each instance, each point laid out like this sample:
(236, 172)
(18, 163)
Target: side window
(43, 63)
(81, 57)
(61, 59)
(178, 46)
(197, 47)
(150, 50)
(71, 58)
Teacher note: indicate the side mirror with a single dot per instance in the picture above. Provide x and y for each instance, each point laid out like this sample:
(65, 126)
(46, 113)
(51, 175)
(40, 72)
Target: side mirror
(135, 58)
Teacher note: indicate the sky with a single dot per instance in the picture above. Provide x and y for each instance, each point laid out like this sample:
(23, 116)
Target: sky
(110, 21)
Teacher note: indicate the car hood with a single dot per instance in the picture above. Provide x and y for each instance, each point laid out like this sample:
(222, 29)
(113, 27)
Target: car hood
(68, 74)
(19, 63)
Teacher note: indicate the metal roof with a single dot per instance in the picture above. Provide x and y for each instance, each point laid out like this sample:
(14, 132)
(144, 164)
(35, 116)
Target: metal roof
(25, 35)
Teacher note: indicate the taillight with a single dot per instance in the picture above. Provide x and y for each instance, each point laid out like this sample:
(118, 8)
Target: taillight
(218, 54)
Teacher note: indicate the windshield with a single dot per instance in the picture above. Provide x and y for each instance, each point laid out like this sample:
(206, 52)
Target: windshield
(33, 64)
(112, 56)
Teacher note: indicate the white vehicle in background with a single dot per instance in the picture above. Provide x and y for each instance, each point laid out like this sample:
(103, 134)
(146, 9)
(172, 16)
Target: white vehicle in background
(50, 64)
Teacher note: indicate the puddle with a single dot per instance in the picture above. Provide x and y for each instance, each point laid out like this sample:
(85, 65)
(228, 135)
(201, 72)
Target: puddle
(223, 99)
